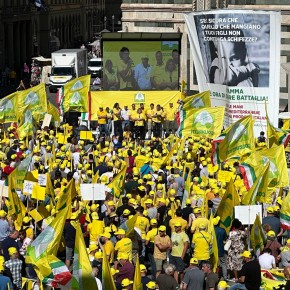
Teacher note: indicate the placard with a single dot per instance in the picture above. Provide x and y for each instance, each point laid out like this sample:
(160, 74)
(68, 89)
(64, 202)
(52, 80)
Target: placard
(60, 138)
(28, 187)
(38, 192)
(86, 135)
(3, 190)
(246, 214)
(46, 120)
(93, 191)
(225, 176)
(42, 179)
(39, 214)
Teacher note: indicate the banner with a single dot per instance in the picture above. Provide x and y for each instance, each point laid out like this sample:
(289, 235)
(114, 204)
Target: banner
(8, 109)
(235, 53)
(108, 99)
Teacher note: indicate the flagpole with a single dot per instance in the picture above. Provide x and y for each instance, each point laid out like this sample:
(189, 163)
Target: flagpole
(35, 221)
(249, 226)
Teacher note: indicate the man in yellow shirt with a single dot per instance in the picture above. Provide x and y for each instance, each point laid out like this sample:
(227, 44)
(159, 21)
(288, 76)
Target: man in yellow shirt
(124, 245)
(102, 121)
(202, 241)
(198, 220)
(180, 244)
(170, 122)
(140, 159)
(176, 219)
(95, 228)
(108, 246)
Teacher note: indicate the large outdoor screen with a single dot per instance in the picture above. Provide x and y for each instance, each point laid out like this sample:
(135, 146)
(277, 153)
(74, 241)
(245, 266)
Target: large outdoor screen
(140, 65)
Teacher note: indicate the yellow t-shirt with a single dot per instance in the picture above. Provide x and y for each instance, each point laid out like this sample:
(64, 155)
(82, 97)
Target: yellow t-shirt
(163, 241)
(95, 228)
(110, 251)
(124, 246)
(116, 114)
(142, 223)
(158, 116)
(141, 122)
(132, 115)
(149, 114)
(29, 233)
(202, 241)
(158, 73)
(197, 222)
(170, 114)
(151, 235)
(178, 240)
(178, 219)
(102, 114)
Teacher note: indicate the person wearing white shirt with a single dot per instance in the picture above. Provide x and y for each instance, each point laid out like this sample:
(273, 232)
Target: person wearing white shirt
(266, 260)
(142, 74)
(125, 117)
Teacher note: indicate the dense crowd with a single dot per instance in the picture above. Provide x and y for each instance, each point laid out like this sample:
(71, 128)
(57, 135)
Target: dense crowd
(171, 190)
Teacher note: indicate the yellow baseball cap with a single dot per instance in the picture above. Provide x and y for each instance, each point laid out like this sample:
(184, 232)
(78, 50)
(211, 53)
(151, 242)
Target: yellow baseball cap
(162, 228)
(246, 254)
(196, 210)
(126, 212)
(153, 222)
(151, 285)
(223, 284)
(114, 271)
(12, 251)
(271, 234)
(2, 213)
(111, 203)
(126, 282)
(106, 235)
(270, 209)
(123, 256)
(177, 224)
(194, 261)
(98, 255)
(120, 232)
(142, 268)
(148, 201)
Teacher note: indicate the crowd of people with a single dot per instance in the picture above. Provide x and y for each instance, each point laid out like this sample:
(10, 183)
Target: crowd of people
(170, 188)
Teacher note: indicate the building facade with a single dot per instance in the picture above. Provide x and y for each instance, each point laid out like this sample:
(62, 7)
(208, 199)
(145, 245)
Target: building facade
(167, 16)
(26, 32)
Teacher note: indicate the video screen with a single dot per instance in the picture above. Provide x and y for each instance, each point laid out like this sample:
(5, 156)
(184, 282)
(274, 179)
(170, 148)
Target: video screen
(140, 65)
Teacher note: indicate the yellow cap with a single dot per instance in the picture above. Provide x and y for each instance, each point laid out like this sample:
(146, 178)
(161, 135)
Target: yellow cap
(153, 222)
(142, 268)
(126, 282)
(111, 203)
(188, 201)
(223, 284)
(92, 247)
(246, 254)
(151, 285)
(270, 209)
(120, 232)
(126, 212)
(26, 219)
(196, 210)
(2, 213)
(114, 271)
(12, 251)
(194, 261)
(271, 234)
(177, 224)
(162, 228)
(148, 201)
(94, 207)
(98, 255)
(95, 216)
(106, 235)
(123, 256)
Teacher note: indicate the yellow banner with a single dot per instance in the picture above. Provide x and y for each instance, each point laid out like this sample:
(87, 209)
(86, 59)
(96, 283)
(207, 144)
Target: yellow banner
(108, 99)
(8, 109)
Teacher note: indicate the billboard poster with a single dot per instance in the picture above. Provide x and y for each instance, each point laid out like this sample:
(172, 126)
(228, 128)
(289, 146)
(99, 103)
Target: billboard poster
(141, 65)
(237, 57)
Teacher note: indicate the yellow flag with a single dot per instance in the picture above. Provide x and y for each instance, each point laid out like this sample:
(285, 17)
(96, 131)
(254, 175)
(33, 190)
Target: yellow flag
(129, 225)
(255, 163)
(38, 192)
(276, 136)
(118, 181)
(258, 191)
(76, 94)
(8, 108)
(206, 122)
(52, 110)
(106, 273)
(137, 283)
(236, 141)
(257, 237)
(34, 101)
(170, 154)
(285, 213)
(82, 269)
(226, 209)
(286, 124)
(201, 100)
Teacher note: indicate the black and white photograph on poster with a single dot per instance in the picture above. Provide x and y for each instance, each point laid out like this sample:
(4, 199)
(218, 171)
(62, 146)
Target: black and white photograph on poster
(235, 48)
